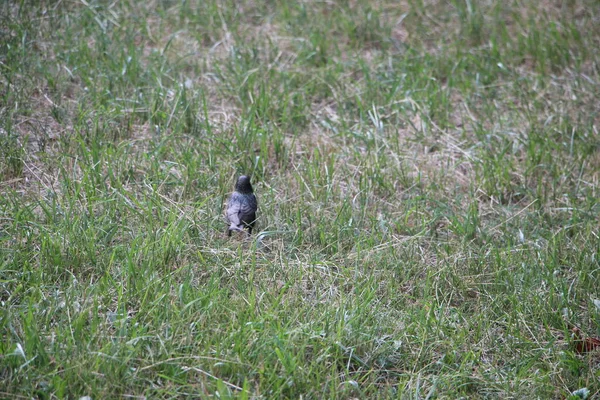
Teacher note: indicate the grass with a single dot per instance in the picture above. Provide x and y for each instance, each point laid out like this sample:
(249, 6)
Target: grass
(427, 175)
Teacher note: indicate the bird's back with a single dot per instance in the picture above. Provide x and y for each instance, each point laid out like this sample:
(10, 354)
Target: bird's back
(241, 210)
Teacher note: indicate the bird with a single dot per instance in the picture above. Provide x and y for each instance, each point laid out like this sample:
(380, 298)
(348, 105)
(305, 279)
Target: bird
(241, 207)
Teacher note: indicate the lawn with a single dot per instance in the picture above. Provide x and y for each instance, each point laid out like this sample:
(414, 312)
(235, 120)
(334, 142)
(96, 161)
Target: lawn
(428, 175)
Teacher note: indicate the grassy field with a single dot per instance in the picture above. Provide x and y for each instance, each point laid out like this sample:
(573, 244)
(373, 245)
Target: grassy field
(428, 183)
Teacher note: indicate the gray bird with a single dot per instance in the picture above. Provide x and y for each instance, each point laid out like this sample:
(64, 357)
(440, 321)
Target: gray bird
(241, 206)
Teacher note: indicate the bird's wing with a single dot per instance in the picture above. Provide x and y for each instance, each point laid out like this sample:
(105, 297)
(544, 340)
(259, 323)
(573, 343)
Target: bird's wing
(234, 212)
(252, 203)
(248, 210)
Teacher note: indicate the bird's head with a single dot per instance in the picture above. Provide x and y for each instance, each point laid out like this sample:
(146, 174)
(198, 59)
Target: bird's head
(243, 185)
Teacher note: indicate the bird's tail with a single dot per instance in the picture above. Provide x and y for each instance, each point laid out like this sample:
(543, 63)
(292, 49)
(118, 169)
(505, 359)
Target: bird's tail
(234, 227)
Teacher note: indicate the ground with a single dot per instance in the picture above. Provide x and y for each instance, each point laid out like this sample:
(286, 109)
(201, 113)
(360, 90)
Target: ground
(427, 175)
